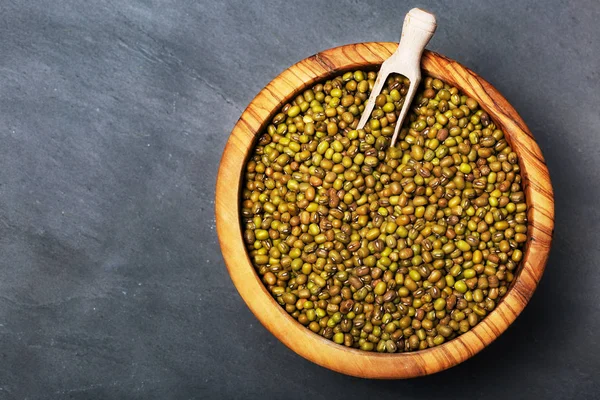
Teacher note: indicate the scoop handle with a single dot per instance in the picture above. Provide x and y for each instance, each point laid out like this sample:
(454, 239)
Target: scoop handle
(419, 26)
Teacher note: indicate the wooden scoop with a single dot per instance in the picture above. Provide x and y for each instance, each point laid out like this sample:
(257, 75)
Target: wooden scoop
(417, 30)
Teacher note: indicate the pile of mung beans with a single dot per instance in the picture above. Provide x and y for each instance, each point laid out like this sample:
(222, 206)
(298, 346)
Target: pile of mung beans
(386, 249)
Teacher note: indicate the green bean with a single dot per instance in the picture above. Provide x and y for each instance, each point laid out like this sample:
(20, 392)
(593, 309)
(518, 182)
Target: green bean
(379, 248)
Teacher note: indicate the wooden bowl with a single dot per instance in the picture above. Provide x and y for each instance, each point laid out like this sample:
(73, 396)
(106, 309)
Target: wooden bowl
(537, 187)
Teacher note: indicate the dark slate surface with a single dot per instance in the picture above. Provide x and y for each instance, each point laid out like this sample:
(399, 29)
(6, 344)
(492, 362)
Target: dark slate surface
(113, 117)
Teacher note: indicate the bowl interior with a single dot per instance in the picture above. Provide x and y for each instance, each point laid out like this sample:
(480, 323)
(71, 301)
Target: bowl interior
(536, 184)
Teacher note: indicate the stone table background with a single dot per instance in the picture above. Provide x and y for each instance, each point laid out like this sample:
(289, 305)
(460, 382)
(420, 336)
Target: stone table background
(113, 117)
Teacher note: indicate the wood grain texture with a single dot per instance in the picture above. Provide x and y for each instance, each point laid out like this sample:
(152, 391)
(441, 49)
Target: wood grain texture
(537, 186)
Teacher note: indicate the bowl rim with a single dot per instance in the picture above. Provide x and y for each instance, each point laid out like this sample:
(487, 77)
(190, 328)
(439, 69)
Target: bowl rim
(324, 352)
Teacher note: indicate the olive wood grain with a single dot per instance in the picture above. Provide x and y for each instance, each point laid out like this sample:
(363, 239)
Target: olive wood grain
(537, 187)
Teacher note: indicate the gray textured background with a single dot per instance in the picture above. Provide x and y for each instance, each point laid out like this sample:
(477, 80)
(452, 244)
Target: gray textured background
(113, 117)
